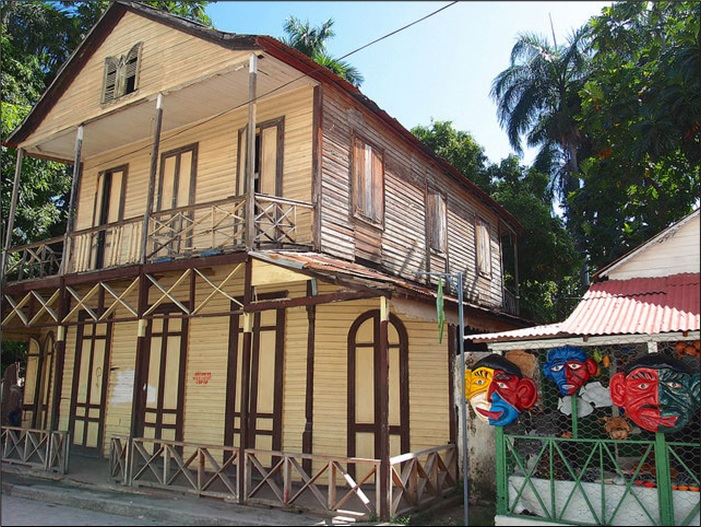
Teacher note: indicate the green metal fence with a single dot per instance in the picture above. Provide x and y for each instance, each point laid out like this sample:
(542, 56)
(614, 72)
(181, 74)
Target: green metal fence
(559, 462)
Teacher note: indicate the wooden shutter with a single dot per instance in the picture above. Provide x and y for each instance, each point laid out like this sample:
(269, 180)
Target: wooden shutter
(110, 81)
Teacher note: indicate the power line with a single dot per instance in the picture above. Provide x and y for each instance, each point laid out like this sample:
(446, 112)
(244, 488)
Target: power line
(282, 86)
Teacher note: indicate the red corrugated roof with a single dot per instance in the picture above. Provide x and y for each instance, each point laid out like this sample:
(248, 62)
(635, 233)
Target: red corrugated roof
(645, 306)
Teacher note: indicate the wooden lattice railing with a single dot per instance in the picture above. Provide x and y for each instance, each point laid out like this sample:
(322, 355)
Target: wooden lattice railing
(317, 483)
(420, 478)
(40, 449)
(36, 260)
(333, 484)
(205, 470)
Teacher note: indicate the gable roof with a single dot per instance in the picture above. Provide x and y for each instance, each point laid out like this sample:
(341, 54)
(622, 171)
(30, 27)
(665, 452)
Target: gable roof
(646, 247)
(264, 43)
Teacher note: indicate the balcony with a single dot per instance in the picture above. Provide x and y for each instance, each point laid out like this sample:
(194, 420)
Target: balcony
(200, 230)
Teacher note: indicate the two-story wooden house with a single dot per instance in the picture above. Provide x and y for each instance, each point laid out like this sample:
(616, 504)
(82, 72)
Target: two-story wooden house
(243, 287)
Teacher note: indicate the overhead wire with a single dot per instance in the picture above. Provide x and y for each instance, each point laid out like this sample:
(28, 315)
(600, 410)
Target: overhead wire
(282, 86)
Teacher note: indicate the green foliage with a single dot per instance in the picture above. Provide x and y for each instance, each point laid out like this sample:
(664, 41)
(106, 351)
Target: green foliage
(641, 108)
(547, 258)
(458, 148)
(312, 42)
(537, 98)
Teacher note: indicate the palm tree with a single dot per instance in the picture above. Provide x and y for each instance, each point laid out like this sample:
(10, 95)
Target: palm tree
(312, 42)
(537, 96)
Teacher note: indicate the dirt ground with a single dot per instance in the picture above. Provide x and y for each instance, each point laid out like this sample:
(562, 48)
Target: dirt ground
(453, 513)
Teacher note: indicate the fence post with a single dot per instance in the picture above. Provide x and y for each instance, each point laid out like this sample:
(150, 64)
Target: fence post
(664, 483)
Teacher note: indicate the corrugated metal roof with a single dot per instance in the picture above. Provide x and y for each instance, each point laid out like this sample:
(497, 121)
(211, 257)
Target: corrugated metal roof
(645, 306)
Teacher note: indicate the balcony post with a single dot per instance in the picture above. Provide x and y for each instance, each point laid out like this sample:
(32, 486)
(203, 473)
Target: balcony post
(11, 219)
(383, 395)
(155, 147)
(251, 150)
(71, 205)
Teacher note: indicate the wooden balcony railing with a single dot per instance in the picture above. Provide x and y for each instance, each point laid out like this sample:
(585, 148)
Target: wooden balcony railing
(210, 228)
(36, 260)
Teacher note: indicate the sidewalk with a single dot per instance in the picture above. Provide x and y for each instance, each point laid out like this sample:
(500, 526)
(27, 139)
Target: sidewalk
(88, 488)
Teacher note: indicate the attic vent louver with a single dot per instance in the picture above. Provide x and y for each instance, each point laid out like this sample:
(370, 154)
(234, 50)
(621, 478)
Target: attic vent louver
(121, 75)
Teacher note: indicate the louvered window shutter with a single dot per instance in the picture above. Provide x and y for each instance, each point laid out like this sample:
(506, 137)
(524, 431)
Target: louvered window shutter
(110, 81)
(131, 69)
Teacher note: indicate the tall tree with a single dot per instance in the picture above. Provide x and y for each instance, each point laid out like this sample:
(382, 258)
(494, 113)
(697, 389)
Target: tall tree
(642, 110)
(311, 41)
(537, 97)
(547, 260)
(457, 147)
(548, 263)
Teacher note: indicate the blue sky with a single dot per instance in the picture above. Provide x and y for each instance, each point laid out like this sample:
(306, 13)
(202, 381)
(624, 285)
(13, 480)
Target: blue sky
(441, 68)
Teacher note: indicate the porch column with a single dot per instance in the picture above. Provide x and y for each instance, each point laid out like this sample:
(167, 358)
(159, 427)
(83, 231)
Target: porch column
(309, 396)
(63, 308)
(245, 393)
(11, 219)
(251, 149)
(383, 396)
(70, 224)
(140, 363)
(155, 147)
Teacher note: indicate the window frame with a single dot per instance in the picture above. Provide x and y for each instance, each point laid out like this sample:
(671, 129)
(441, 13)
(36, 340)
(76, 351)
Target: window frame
(437, 226)
(121, 75)
(367, 182)
(483, 248)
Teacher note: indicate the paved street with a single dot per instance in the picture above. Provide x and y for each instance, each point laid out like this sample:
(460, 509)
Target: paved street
(21, 511)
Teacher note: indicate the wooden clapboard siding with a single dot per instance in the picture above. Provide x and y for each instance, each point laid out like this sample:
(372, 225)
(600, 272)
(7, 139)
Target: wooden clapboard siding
(337, 236)
(295, 372)
(297, 109)
(137, 158)
(168, 58)
(207, 353)
(655, 257)
(428, 385)
(404, 241)
(428, 379)
(120, 388)
(67, 380)
(331, 374)
(403, 248)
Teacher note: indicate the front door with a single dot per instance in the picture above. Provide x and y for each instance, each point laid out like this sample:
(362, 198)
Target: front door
(175, 189)
(163, 374)
(39, 383)
(266, 378)
(109, 208)
(91, 369)
(363, 382)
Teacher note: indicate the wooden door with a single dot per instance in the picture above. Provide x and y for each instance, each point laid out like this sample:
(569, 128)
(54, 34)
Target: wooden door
(91, 373)
(163, 387)
(266, 378)
(267, 164)
(38, 383)
(175, 189)
(109, 208)
(363, 382)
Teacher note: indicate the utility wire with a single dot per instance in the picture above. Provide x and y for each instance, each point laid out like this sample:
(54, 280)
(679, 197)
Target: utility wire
(282, 86)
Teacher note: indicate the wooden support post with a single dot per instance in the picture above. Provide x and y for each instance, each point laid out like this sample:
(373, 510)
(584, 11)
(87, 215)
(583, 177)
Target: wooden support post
(11, 219)
(155, 148)
(251, 150)
(383, 396)
(70, 224)
(245, 400)
(309, 398)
